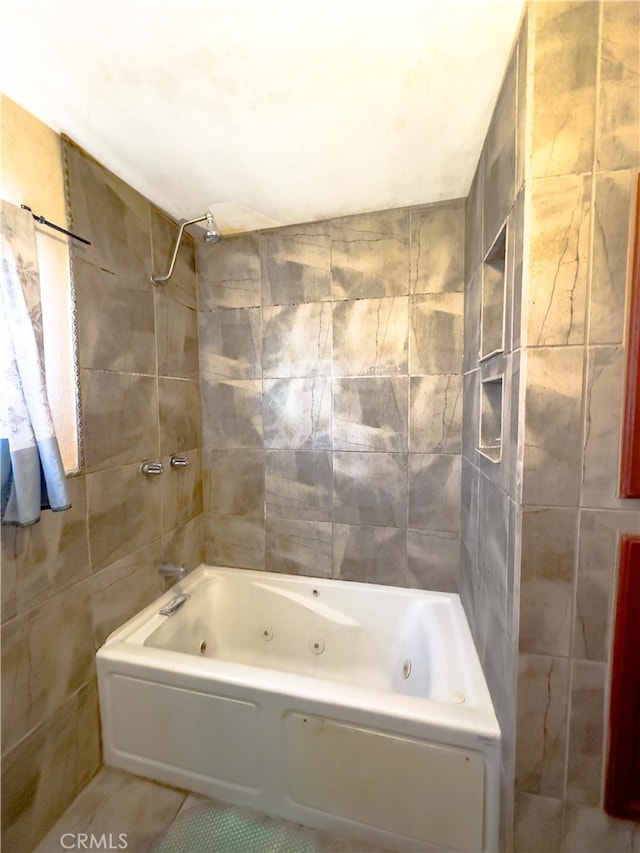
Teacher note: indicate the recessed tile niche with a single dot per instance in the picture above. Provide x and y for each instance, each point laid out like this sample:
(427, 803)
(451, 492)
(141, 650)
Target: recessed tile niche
(491, 419)
(493, 298)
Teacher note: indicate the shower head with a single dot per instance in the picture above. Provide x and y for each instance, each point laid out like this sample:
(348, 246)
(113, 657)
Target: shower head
(212, 235)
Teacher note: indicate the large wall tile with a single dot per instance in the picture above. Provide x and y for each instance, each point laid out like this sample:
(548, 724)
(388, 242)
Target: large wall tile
(559, 262)
(546, 586)
(370, 488)
(120, 412)
(112, 216)
(179, 414)
(182, 286)
(437, 249)
(370, 554)
(230, 343)
(543, 693)
(177, 338)
(235, 540)
(586, 732)
(123, 509)
(234, 482)
(434, 491)
(472, 314)
(297, 413)
(473, 234)
(435, 414)
(433, 560)
(299, 547)
(617, 146)
(299, 484)
(229, 273)
(232, 413)
(436, 328)
(589, 830)
(564, 87)
(116, 327)
(552, 423)
(181, 491)
(185, 544)
(370, 413)
(493, 544)
(538, 824)
(297, 340)
(370, 337)
(44, 773)
(296, 264)
(370, 255)
(47, 654)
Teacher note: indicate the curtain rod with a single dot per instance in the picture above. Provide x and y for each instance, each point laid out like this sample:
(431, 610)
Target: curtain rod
(44, 221)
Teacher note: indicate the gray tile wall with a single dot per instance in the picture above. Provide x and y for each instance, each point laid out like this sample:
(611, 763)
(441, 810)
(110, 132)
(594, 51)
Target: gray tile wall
(330, 358)
(69, 580)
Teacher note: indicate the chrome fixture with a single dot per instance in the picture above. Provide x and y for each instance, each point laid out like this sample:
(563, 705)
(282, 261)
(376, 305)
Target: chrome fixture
(172, 570)
(175, 604)
(178, 461)
(151, 468)
(212, 235)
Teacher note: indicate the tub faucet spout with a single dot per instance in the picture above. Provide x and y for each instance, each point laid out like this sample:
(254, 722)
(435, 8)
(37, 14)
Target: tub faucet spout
(172, 570)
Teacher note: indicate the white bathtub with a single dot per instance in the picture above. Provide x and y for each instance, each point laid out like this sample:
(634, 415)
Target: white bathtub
(352, 708)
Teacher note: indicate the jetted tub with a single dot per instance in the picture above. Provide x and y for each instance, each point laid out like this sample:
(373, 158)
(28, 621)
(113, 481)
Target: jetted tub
(353, 708)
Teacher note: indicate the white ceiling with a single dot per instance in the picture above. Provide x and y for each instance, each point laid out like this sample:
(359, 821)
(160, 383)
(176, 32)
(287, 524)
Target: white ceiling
(298, 110)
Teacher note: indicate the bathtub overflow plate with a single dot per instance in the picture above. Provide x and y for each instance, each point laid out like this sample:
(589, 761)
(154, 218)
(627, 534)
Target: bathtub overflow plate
(316, 644)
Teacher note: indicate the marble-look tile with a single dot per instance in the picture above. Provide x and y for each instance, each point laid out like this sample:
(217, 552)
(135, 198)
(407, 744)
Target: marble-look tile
(182, 286)
(232, 413)
(597, 571)
(234, 482)
(471, 415)
(586, 732)
(116, 328)
(435, 414)
(299, 547)
(371, 554)
(230, 343)
(589, 830)
(500, 157)
(179, 415)
(559, 260)
(434, 491)
(611, 211)
(297, 340)
(553, 426)
(41, 560)
(433, 560)
(538, 824)
(120, 417)
(546, 585)
(473, 233)
(543, 687)
(469, 497)
(47, 654)
(234, 540)
(177, 338)
(296, 264)
(112, 216)
(601, 460)
(617, 145)
(181, 491)
(123, 589)
(119, 808)
(370, 255)
(44, 773)
(298, 484)
(515, 273)
(370, 413)
(123, 508)
(493, 545)
(521, 102)
(436, 329)
(229, 273)
(564, 87)
(370, 488)
(471, 320)
(297, 414)
(185, 544)
(436, 254)
(370, 336)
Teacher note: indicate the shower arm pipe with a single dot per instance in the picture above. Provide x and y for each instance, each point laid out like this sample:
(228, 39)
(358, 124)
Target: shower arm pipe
(159, 279)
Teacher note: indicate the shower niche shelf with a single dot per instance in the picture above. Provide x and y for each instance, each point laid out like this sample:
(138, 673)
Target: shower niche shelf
(493, 298)
(491, 396)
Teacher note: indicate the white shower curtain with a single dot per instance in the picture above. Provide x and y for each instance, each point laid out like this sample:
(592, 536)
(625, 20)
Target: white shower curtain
(32, 473)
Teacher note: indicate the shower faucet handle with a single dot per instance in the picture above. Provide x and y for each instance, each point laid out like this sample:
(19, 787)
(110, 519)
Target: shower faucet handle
(151, 468)
(178, 461)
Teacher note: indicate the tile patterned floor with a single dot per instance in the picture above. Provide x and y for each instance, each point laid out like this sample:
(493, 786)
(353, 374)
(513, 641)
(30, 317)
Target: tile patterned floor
(115, 802)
